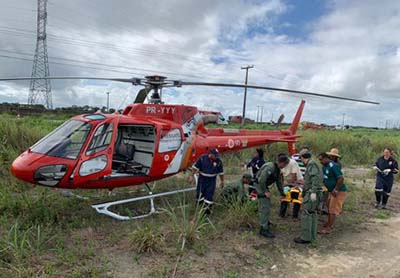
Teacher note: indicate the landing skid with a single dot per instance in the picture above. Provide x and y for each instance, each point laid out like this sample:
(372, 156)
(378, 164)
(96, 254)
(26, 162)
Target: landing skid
(104, 207)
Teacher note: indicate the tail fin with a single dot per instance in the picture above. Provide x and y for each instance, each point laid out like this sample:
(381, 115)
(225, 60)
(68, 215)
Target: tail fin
(297, 117)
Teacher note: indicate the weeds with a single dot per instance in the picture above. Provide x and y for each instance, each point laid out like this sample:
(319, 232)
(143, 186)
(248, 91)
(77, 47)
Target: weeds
(189, 227)
(146, 240)
(240, 214)
(18, 243)
(382, 214)
(231, 275)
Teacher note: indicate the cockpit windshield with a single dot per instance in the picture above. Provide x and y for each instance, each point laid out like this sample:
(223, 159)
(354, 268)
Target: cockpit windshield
(66, 141)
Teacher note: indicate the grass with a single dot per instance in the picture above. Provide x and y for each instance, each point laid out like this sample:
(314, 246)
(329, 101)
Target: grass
(43, 234)
(146, 240)
(382, 214)
(240, 214)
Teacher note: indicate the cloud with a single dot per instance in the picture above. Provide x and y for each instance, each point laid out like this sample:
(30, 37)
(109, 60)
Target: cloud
(351, 49)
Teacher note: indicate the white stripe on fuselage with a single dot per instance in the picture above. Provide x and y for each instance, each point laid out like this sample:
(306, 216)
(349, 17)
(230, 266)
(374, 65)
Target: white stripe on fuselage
(187, 128)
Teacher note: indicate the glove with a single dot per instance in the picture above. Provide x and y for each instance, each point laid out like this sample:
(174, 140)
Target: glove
(387, 171)
(313, 197)
(253, 196)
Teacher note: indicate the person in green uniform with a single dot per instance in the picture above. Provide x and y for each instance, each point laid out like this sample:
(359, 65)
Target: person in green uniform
(237, 191)
(268, 174)
(311, 196)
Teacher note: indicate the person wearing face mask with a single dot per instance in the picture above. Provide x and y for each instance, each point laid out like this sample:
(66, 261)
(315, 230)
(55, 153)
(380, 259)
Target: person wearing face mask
(386, 166)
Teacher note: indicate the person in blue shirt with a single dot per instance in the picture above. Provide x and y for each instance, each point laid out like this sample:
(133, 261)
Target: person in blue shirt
(208, 167)
(386, 166)
(256, 162)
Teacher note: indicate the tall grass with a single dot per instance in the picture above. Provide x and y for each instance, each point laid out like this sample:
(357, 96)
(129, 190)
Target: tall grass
(146, 240)
(19, 243)
(240, 214)
(357, 147)
(188, 225)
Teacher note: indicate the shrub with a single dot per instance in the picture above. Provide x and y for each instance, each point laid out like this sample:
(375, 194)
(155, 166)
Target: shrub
(146, 240)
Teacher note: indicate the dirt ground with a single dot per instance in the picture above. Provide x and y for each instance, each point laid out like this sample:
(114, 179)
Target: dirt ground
(368, 249)
(371, 253)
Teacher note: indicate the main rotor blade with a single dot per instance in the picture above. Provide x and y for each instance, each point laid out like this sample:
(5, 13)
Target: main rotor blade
(186, 83)
(142, 95)
(126, 80)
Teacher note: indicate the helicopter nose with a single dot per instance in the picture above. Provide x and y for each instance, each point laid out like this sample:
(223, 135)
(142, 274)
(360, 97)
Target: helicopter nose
(20, 168)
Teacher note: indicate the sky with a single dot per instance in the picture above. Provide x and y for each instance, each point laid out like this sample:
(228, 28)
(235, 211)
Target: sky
(334, 47)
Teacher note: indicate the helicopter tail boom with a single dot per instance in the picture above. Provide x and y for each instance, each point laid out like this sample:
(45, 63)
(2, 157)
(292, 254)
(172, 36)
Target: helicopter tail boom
(297, 117)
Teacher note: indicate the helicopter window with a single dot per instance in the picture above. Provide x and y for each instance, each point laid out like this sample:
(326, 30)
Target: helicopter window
(66, 141)
(170, 140)
(101, 138)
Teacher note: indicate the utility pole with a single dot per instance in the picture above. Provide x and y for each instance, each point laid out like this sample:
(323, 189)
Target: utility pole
(41, 88)
(108, 101)
(258, 111)
(344, 114)
(245, 91)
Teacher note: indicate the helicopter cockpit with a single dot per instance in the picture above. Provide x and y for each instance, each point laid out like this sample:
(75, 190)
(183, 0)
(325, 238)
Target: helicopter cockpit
(66, 141)
(93, 148)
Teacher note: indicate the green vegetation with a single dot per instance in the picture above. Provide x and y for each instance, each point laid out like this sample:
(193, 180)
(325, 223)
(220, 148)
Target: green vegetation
(146, 239)
(44, 234)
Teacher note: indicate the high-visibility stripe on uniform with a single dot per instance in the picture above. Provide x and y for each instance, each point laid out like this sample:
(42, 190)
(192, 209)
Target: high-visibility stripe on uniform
(208, 202)
(208, 175)
(378, 189)
(211, 175)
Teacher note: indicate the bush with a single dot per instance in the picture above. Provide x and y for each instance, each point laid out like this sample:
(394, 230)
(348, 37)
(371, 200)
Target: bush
(240, 214)
(146, 240)
(186, 224)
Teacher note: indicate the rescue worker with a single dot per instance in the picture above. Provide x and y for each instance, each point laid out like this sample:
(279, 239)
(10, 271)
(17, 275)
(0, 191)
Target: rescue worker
(292, 180)
(311, 194)
(334, 182)
(237, 191)
(208, 167)
(256, 162)
(268, 174)
(299, 161)
(386, 166)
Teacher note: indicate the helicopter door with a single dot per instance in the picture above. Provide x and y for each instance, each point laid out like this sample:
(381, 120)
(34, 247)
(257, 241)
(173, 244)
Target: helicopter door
(96, 160)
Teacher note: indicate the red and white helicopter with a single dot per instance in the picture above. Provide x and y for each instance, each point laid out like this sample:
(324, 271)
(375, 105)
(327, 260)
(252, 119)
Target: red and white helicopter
(147, 142)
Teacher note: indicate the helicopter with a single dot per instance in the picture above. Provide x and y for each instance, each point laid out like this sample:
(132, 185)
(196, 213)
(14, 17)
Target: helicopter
(145, 143)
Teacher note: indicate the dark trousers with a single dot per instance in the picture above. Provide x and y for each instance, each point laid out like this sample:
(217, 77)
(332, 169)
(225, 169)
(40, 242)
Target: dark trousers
(383, 188)
(205, 189)
(284, 207)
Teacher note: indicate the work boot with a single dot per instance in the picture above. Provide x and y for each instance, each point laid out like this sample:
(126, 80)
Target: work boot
(377, 205)
(266, 233)
(385, 199)
(301, 241)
